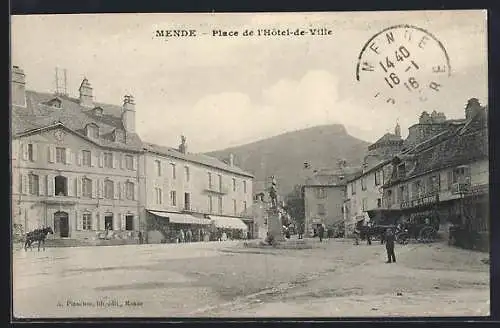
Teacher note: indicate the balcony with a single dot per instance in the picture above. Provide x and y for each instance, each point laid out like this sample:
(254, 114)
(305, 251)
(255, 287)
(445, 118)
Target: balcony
(216, 189)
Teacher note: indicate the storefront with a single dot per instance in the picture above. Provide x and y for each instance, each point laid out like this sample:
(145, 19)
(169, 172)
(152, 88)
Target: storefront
(225, 227)
(180, 227)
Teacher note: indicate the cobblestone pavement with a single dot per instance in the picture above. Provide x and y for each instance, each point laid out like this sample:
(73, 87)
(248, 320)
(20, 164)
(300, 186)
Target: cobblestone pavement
(335, 278)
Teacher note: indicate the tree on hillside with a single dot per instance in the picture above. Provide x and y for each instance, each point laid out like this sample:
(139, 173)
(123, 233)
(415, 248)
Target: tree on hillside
(295, 204)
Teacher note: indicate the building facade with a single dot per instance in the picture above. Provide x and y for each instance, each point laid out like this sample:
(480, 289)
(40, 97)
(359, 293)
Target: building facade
(364, 188)
(74, 163)
(445, 177)
(194, 191)
(324, 195)
(81, 168)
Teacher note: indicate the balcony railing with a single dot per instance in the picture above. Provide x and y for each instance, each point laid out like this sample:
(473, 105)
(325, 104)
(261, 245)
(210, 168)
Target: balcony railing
(460, 187)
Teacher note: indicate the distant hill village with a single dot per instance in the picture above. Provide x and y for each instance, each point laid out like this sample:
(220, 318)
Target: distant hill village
(441, 170)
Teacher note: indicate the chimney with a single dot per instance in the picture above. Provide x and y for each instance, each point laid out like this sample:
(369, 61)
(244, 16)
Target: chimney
(128, 113)
(86, 97)
(231, 159)
(18, 84)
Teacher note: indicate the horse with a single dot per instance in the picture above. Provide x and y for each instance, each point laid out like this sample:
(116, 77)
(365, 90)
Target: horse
(37, 235)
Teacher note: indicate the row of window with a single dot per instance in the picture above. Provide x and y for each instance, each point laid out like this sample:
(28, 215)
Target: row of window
(431, 184)
(62, 155)
(379, 180)
(88, 222)
(211, 209)
(60, 185)
(187, 201)
(220, 184)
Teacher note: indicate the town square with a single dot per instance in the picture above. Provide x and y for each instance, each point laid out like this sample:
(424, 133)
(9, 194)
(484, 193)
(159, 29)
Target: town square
(250, 175)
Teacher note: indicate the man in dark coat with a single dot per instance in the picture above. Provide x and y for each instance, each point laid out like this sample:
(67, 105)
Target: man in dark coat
(389, 246)
(321, 232)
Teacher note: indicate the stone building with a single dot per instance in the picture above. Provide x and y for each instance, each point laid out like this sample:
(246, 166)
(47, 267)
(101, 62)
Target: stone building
(80, 167)
(445, 177)
(194, 192)
(364, 190)
(324, 194)
(74, 163)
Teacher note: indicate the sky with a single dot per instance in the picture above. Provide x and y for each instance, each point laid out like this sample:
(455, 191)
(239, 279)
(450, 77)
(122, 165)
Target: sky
(226, 91)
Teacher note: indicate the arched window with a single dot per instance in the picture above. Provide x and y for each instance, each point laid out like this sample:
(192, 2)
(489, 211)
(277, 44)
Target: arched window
(61, 185)
(109, 189)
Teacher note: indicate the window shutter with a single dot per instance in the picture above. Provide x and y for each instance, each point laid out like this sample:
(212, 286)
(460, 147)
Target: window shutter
(93, 188)
(93, 159)
(24, 149)
(78, 158)
(134, 162)
(116, 190)
(35, 152)
(50, 185)
(136, 191)
(101, 221)
(116, 221)
(41, 185)
(69, 160)
(79, 221)
(93, 221)
(123, 221)
(71, 187)
(79, 184)
(449, 177)
(123, 194)
(98, 188)
(101, 159)
(22, 185)
(52, 153)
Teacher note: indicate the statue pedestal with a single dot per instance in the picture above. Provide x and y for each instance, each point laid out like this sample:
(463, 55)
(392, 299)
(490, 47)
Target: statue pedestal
(274, 225)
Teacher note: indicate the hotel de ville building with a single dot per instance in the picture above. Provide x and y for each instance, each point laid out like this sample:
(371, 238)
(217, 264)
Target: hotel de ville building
(80, 167)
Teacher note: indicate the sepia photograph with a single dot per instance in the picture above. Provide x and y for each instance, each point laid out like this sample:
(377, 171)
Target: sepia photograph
(258, 165)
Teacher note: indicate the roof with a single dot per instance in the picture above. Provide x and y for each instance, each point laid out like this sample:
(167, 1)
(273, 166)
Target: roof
(38, 113)
(325, 180)
(388, 137)
(455, 146)
(195, 158)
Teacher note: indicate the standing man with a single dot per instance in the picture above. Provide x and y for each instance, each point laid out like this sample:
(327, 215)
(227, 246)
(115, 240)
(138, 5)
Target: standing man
(321, 231)
(389, 246)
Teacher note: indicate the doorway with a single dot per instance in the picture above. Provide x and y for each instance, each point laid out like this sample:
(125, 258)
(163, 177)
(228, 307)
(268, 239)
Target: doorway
(61, 223)
(108, 222)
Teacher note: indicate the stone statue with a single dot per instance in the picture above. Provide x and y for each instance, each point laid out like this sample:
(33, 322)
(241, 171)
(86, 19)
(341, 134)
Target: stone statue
(273, 193)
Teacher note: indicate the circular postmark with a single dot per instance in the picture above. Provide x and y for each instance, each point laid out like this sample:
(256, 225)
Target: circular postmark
(402, 63)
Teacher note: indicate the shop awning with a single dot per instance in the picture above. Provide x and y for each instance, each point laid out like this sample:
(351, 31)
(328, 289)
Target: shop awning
(180, 218)
(228, 222)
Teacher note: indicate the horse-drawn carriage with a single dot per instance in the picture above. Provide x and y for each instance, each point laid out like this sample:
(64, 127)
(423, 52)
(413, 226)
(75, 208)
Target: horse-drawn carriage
(422, 227)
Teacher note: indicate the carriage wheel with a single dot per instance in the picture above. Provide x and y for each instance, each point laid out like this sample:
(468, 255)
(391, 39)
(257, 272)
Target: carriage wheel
(428, 235)
(402, 238)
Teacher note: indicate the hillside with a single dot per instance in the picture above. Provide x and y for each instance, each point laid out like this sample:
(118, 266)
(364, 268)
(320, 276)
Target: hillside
(284, 155)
